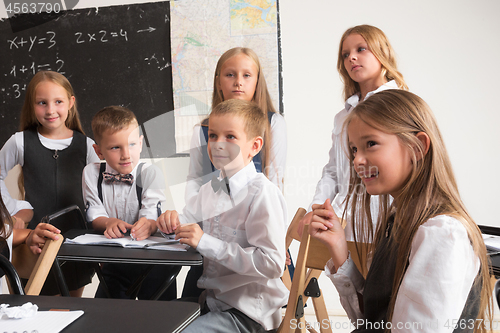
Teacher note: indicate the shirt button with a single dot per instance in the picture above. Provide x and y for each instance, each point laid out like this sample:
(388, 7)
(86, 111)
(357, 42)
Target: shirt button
(347, 285)
(217, 219)
(234, 232)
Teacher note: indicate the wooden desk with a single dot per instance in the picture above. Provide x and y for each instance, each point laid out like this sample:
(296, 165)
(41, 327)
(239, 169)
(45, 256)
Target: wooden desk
(116, 254)
(115, 315)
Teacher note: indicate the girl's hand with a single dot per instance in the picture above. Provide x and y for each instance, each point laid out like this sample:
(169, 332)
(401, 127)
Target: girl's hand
(168, 222)
(325, 226)
(37, 238)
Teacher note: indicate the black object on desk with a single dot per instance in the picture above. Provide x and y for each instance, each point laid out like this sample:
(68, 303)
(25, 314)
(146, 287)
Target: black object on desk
(494, 257)
(116, 315)
(116, 254)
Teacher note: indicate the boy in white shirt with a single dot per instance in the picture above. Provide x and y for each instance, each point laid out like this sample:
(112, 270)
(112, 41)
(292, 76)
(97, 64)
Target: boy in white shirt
(242, 238)
(124, 195)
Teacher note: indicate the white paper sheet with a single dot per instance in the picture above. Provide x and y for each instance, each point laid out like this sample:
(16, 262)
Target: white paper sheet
(41, 322)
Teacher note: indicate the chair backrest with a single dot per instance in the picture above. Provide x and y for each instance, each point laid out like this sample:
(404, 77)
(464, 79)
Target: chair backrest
(34, 267)
(292, 234)
(11, 275)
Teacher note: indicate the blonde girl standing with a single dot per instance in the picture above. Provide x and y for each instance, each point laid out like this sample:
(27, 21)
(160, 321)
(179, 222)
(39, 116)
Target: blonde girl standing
(52, 151)
(429, 269)
(367, 65)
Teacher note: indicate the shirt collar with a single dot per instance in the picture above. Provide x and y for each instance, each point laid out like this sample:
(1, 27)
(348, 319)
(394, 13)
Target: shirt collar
(354, 99)
(241, 178)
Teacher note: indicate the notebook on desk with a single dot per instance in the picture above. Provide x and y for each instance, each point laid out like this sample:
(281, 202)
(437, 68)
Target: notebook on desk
(153, 242)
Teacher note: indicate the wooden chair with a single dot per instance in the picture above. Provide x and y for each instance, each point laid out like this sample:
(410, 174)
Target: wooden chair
(34, 267)
(311, 261)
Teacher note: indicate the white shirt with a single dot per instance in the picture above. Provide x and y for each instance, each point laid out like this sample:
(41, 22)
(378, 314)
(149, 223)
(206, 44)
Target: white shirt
(243, 246)
(276, 168)
(12, 153)
(120, 199)
(441, 270)
(334, 182)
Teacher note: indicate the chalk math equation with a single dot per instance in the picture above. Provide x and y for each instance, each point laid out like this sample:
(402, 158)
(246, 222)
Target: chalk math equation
(47, 41)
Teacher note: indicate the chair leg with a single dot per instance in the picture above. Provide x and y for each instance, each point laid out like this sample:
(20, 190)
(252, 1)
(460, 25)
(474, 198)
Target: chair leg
(321, 313)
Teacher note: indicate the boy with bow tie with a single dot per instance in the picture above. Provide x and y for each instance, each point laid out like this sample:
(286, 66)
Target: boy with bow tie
(242, 238)
(123, 194)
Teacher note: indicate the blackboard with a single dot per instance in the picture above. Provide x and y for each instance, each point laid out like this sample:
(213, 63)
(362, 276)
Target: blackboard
(118, 55)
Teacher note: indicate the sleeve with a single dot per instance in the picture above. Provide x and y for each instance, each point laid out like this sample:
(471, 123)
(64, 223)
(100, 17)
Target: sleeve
(95, 207)
(11, 154)
(349, 282)
(153, 192)
(91, 155)
(264, 227)
(195, 173)
(327, 185)
(278, 150)
(442, 268)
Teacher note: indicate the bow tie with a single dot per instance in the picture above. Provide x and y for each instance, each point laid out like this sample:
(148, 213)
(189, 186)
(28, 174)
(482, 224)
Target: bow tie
(220, 184)
(110, 178)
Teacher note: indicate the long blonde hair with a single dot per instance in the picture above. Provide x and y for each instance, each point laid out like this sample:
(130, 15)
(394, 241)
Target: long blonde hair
(431, 189)
(379, 45)
(261, 97)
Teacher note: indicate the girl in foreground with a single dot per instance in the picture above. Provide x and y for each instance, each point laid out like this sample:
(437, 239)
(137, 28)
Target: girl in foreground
(429, 268)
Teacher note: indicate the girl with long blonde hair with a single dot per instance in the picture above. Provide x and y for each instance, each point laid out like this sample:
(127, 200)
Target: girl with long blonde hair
(429, 269)
(52, 151)
(367, 65)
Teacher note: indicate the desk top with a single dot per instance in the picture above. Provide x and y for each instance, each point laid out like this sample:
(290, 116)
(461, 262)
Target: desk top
(117, 254)
(116, 315)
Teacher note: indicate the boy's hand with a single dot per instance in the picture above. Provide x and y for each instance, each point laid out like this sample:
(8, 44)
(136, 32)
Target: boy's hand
(143, 228)
(168, 222)
(326, 227)
(115, 228)
(189, 234)
(39, 236)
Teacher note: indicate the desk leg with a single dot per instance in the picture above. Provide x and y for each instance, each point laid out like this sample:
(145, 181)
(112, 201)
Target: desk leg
(98, 271)
(61, 282)
(167, 283)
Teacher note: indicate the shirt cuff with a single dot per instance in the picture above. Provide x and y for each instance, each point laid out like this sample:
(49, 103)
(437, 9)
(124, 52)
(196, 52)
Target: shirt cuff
(209, 246)
(348, 280)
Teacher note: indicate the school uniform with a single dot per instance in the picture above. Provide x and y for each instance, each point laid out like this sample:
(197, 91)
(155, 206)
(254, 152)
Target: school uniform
(436, 290)
(334, 182)
(52, 181)
(12, 153)
(201, 171)
(243, 246)
(120, 200)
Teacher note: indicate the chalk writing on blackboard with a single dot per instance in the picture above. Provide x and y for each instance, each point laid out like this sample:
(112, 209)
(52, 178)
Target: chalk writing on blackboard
(117, 55)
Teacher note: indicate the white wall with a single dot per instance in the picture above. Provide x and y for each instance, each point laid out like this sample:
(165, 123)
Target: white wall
(448, 51)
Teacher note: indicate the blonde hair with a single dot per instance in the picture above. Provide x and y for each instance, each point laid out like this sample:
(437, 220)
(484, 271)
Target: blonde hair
(254, 119)
(261, 96)
(379, 45)
(111, 119)
(431, 189)
(28, 118)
